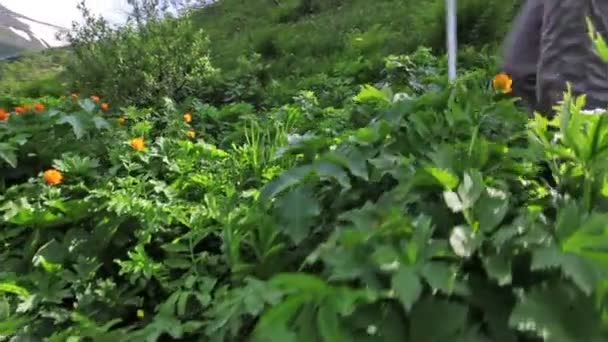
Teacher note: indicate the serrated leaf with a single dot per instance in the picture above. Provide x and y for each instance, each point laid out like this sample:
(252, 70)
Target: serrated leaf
(75, 122)
(297, 211)
(101, 123)
(574, 267)
(370, 93)
(7, 153)
(87, 105)
(498, 268)
(453, 201)
(439, 276)
(444, 177)
(273, 326)
(424, 323)
(406, 284)
(286, 180)
(554, 313)
(329, 325)
(325, 169)
(471, 188)
(491, 209)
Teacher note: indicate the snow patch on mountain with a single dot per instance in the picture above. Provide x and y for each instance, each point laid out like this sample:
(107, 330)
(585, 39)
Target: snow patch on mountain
(21, 33)
(46, 34)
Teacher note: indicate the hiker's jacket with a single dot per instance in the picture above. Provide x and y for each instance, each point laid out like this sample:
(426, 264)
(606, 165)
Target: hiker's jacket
(549, 45)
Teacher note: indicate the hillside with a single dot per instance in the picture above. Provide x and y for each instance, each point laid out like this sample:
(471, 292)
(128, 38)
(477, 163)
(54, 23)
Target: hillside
(304, 37)
(19, 33)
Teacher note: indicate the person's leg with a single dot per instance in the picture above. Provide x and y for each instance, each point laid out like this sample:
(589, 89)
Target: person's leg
(522, 50)
(567, 54)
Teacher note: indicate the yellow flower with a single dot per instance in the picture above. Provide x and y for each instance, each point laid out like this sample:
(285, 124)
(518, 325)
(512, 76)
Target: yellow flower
(52, 177)
(122, 120)
(188, 117)
(503, 83)
(137, 144)
(191, 134)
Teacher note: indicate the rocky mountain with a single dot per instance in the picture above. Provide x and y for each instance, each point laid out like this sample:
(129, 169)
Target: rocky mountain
(19, 33)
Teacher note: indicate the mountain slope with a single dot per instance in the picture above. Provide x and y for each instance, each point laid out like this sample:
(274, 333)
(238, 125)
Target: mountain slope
(19, 33)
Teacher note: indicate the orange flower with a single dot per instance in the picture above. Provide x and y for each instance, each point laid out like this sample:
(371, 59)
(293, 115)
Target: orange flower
(188, 117)
(74, 95)
(27, 107)
(105, 107)
(52, 177)
(20, 110)
(503, 83)
(137, 144)
(191, 134)
(39, 107)
(122, 120)
(95, 98)
(4, 114)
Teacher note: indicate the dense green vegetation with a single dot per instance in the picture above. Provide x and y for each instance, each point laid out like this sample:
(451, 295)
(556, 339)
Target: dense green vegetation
(253, 198)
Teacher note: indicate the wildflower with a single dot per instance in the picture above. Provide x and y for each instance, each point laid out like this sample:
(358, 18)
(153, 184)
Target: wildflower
(27, 107)
(122, 120)
(188, 117)
(502, 82)
(95, 98)
(39, 107)
(20, 110)
(53, 177)
(105, 107)
(137, 144)
(74, 95)
(4, 114)
(191, 134)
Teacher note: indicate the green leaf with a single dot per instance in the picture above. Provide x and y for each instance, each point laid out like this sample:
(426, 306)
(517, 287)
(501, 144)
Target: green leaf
(352, 160)
(87, 105)
(453, 201)
(439, 276)
(325, 169)
(574, 267)
(406, 284)
(297, 211)
(14, 289)
(491, 209)
(554, 313)
(7, 153)
(286, 180)
(9, 326)
(101, 123)
(273, 326)
(75, 122)
(426, 326)
(443, 176)
(369, 93)
(471, 188)
(329, 325)
(499, 268)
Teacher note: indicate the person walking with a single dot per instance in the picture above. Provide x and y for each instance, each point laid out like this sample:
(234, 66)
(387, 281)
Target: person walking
(549, 46)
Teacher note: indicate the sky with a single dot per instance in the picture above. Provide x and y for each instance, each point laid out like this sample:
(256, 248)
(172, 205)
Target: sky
(63, 12)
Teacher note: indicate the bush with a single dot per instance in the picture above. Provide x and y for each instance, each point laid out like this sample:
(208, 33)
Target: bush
(154, 56)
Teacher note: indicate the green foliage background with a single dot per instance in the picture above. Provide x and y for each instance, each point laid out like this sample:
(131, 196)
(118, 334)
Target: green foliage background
(337, 187)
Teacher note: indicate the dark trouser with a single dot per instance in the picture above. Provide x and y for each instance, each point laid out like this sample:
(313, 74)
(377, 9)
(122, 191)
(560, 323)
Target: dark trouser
(522, 52)
(549, 46)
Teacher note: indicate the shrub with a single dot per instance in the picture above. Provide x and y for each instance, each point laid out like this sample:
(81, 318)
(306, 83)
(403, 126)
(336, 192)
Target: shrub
(154, 56)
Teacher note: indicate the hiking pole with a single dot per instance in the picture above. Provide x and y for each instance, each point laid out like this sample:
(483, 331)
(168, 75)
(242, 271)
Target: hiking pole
(451, 37)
